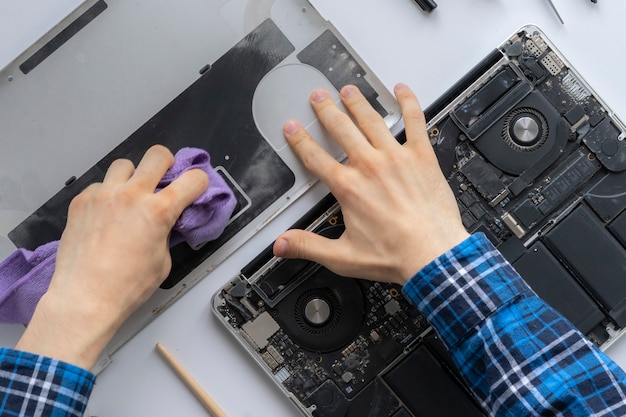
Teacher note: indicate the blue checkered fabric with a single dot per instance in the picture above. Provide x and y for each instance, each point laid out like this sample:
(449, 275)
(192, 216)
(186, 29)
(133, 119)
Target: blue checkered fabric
(33, 385)
(517, 354)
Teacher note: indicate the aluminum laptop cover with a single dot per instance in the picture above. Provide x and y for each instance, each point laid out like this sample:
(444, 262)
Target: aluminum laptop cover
(116, 77)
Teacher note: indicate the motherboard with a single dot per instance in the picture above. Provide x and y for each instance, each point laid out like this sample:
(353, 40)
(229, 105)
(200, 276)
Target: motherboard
(538, 163)
(334, 343)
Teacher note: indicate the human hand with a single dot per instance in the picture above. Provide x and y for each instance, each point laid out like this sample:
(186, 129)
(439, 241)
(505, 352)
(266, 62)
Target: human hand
(398, 209)
(112, 256)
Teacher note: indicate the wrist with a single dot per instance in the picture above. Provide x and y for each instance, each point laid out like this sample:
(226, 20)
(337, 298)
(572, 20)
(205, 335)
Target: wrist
(75, 333)
(436, 248)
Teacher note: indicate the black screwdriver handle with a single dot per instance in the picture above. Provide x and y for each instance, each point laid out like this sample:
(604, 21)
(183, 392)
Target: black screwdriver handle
(426, 5)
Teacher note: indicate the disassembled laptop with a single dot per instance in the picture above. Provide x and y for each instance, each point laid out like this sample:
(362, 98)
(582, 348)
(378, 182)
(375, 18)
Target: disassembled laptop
(537, 162)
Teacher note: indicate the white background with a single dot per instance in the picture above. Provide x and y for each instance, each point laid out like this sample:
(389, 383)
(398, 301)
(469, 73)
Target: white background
(400, 43)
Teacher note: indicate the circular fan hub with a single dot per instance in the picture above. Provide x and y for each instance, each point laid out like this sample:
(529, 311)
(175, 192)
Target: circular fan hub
(317, 311)
(525, 130)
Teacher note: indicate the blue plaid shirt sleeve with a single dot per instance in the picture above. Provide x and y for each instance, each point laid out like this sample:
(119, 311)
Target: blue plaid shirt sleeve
(517, 354)
(33, 385)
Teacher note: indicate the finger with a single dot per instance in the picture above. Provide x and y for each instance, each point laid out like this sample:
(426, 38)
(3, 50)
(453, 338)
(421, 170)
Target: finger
(300, 244)
(312, 155)
(119, 171)
(413, 116)
(153, 166)
(339, 125)
(368, 119)
(183, 191)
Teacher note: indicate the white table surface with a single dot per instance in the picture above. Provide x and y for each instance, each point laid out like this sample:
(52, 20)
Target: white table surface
(400, 43)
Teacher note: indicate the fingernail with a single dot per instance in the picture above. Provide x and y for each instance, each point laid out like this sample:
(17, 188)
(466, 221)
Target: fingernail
(319, 95)
(401, 87)
(290, 127)
(348, 91)
(281, 247)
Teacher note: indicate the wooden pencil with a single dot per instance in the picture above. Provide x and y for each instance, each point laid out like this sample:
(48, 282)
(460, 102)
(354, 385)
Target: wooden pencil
(191, 383)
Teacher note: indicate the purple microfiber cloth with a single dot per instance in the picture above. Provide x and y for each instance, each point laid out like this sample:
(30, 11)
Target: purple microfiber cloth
(24, 278)
(207, 217)
(25, 275)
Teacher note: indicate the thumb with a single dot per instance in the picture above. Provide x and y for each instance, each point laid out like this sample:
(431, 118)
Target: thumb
(300, 244)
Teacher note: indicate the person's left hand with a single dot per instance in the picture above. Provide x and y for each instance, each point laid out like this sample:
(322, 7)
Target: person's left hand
(112, 256)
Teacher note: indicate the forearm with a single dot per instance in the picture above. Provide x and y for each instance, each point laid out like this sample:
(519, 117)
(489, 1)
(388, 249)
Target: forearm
(517, 354)
(33, 385)
(47, 374)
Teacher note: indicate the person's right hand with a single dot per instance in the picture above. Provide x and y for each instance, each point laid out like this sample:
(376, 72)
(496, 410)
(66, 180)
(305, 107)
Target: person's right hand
(398, 209)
